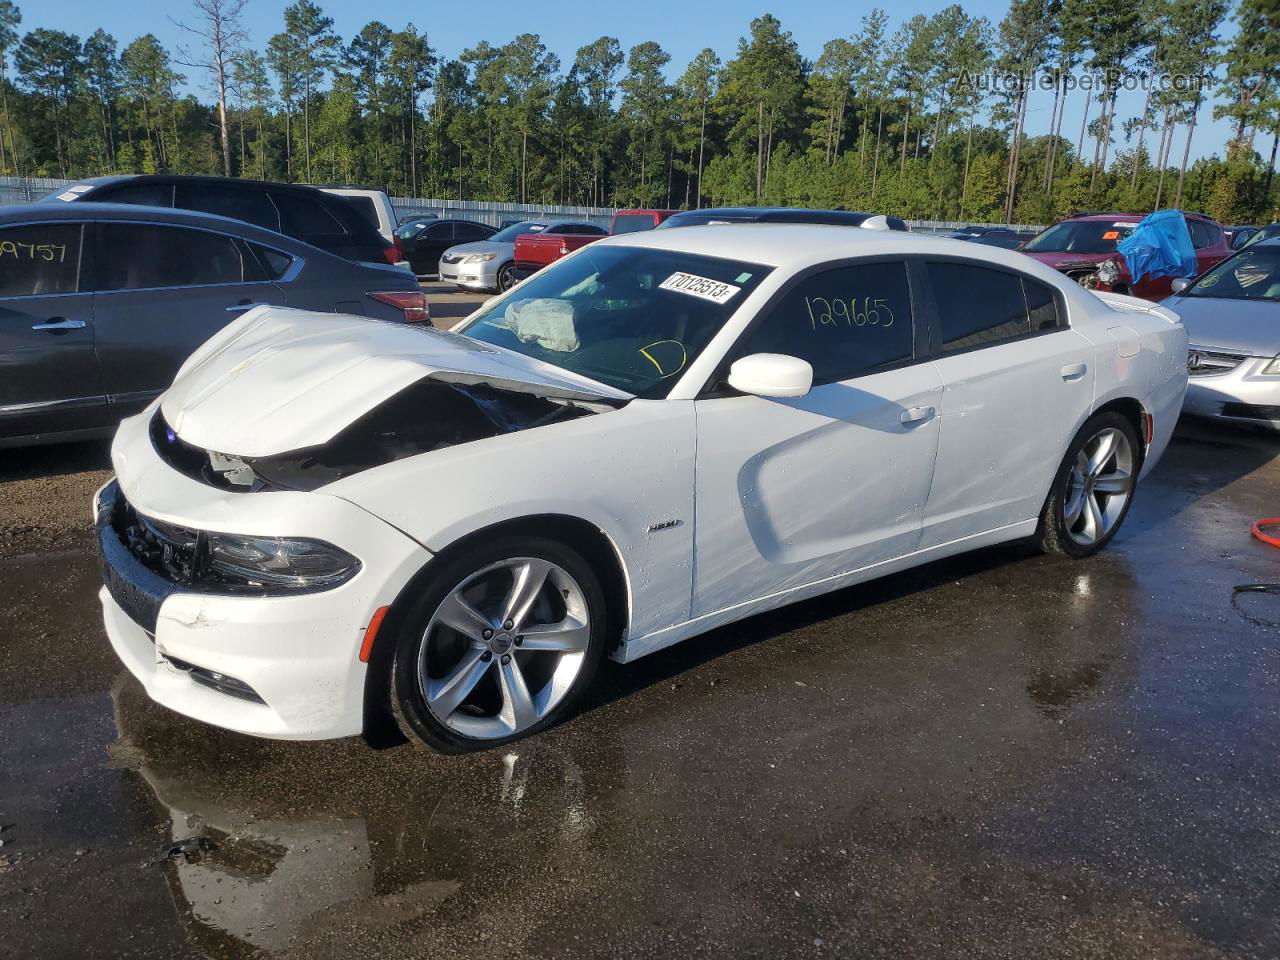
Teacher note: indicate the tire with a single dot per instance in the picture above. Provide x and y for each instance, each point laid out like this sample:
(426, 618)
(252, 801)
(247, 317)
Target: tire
(1088, 503)
(506, 276)
(515, 683)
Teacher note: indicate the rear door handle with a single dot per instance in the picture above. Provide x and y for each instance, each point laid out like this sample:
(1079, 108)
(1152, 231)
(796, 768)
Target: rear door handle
(1074, 371)
(914, 415)
(242, 307)
(59, 323)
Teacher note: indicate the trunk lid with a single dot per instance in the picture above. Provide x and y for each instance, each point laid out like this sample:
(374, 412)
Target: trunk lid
(279, 380)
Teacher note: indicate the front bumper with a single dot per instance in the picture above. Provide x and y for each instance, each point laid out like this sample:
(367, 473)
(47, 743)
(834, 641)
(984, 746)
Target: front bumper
(1242, 395)
(472, 276)
(196, 651)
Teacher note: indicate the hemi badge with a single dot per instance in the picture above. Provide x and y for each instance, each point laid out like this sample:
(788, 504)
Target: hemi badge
(664, 525)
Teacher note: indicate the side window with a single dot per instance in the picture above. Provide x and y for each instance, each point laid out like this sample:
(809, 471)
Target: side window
(845, 322)
(274, 264)
(41, 258)
(1202, 234)
(438, 231)
(305, 216)
(470, 231)
(146, 194)
(977, 306)
(246, 203)
(1042, 305)
(137, 256)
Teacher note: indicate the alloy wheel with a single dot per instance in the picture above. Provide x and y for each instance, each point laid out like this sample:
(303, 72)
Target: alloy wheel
(504, 648)
(506, 278)
(1099, 486)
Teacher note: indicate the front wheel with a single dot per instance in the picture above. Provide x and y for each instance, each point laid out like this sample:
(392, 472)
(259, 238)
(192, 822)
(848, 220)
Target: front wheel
(506, 277)
(1093, 489)
(498, 647)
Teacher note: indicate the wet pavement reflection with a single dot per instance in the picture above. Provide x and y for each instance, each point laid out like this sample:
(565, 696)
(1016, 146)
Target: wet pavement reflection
(998, 755)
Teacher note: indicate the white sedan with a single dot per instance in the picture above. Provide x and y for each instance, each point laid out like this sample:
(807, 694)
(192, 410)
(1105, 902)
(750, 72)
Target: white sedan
(327, 521)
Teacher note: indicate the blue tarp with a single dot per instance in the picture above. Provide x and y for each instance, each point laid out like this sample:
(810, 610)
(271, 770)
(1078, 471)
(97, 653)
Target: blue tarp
(1159, 246)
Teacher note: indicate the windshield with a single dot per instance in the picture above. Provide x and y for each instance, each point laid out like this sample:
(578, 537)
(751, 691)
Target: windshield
(509, 234)
(1252, 274)
(1269, 232)
(629, 317)
(1080, 236)
(411, 229)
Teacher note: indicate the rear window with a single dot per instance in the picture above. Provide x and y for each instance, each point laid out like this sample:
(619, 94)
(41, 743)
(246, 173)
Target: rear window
(306, 217)
(509, 234)
(364, 206)
(247, 203)
(632, 223)
(145, 194)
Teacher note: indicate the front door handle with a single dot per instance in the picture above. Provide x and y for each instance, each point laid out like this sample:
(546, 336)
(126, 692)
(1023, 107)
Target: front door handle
(915, 415)
(1074, 371)
(56, 324)
(242, 307)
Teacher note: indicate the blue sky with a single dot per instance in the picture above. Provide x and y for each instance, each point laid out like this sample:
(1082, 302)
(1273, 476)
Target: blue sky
(680, 26)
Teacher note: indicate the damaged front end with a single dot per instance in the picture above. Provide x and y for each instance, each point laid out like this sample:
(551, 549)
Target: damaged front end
(1106, 275)
(431, 414)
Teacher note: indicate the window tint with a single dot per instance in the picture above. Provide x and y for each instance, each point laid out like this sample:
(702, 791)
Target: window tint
(845, 322)
(39, 259)
(133, 256)
(364, 206)
(977, 306)
(439, 231)
(471, 231)
(246, 203)
(274, 264)
(1202, 234)
(305, 216)
(146, 194)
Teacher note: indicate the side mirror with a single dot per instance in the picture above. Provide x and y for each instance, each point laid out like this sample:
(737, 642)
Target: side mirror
(771, 375)
(1179, 284)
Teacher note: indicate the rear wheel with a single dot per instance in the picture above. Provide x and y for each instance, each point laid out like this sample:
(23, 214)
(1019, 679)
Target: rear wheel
(1093, 489)
(506, 277)
(498, 647)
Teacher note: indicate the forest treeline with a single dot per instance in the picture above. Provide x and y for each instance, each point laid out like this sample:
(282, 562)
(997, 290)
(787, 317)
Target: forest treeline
(926, 119)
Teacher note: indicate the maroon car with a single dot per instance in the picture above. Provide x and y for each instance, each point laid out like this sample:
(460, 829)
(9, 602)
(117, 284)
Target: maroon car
(1078, 245)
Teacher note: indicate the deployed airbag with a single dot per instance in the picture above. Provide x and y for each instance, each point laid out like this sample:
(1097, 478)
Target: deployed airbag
(1159, 246)
(546, 321)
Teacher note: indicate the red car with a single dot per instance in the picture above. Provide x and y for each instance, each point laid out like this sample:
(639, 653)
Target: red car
(1078, 245)
(535, 250)
(633, 221)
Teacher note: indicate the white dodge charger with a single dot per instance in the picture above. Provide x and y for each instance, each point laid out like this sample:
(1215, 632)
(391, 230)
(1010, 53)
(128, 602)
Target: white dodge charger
(329, 521)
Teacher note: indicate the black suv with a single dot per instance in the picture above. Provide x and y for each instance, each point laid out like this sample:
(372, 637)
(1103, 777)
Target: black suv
(304, 213)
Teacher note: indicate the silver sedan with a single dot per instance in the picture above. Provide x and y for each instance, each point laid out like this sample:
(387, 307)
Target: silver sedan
(486, 264)
(1232, 316)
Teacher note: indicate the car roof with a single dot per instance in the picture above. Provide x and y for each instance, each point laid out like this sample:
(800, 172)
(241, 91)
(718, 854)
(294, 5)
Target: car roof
(1133, 217)
(792, 245)
(61, 210)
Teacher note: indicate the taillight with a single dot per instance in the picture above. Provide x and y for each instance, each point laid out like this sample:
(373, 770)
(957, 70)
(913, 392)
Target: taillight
(412, 302)
(564, 248)
(392, 252)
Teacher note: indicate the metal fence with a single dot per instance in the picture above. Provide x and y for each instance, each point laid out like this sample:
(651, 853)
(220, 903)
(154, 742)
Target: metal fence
(31, 189)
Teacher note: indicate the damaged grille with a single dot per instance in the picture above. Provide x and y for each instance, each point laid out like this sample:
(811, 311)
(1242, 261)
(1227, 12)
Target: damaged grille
(173, 552)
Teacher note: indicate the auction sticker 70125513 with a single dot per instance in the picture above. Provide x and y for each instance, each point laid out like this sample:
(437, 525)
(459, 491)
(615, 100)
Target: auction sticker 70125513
(702, 287)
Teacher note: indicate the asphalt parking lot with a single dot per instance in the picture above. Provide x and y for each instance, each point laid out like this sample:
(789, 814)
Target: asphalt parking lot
(1000, 755)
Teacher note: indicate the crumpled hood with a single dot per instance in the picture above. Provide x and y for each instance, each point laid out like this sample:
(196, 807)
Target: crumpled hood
(1236, 326)
(279, 380)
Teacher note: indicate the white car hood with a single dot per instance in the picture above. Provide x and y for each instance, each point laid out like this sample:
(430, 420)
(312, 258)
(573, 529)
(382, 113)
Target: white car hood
(279, 380)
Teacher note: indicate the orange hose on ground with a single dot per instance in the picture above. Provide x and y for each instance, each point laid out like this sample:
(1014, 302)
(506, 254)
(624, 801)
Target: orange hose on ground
(1272, 539)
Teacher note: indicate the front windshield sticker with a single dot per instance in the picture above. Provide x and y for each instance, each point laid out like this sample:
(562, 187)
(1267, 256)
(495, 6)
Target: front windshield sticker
(701, 287)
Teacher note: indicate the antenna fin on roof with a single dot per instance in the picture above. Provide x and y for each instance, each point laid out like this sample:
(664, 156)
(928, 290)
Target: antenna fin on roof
(878, 222)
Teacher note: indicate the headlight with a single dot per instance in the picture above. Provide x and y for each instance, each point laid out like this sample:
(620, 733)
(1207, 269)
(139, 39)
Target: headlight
(1272, 369)
(279, 563)
(480, 258)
